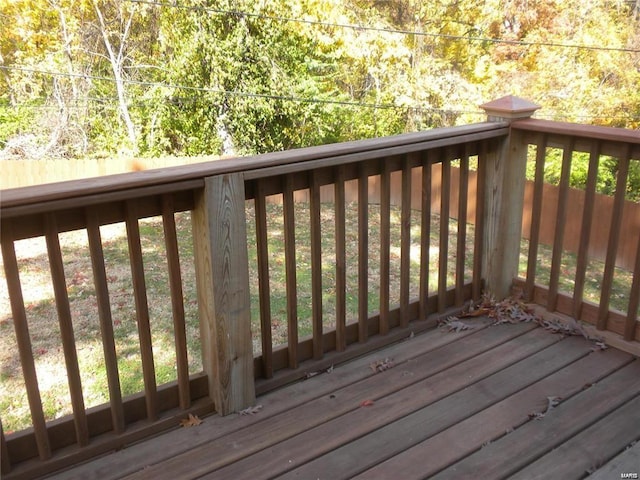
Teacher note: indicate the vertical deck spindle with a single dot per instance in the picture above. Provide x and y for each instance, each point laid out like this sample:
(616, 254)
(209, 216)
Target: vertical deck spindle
(425, 235)
(316, 266)
(561, 216)
(142, 311)
(23, 340)
(443, 254)
(341, 261)
(106, 325)
(363, 254)
(385, 243)
(614, 238)
(463, 194)
(405, 241)
(67, 336)
(536, 217)
(177, 300)
(585, 231)
(264, 289)
(290, 269)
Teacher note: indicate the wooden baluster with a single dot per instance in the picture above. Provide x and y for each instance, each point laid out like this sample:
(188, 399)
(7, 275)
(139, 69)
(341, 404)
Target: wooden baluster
(264, 289)
(425, 235)
(478, 240)
(56, 266)
(341, 262)
(177, 300)
(290, 268)
(405, 241)
(463, 194)
(385, 245)
(614, 238)
(5, 460)
(445, 201)
(585, 232)
(316, 266)
(363, 254)
(634, 300)
(106, 324)
(142, 310)
(23, 341)
(536, 218)
(561, 217)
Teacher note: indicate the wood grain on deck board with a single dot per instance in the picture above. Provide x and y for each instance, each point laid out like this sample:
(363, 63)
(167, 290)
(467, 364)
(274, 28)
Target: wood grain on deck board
(590, 448)
(246, 441)
(513, 452)
(393, 438)
(175, 442)
(454, 443)
(627, 461)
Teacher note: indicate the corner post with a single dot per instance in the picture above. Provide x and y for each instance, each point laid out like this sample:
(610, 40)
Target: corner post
(504, 199)
(222, 278)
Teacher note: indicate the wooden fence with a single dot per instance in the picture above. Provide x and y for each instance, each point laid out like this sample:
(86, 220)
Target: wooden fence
(26, 172)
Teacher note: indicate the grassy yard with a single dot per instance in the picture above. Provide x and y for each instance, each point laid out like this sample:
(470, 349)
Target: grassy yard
(45, 334)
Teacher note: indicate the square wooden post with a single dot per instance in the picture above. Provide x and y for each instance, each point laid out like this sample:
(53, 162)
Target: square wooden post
(222, 277)
(504, 199)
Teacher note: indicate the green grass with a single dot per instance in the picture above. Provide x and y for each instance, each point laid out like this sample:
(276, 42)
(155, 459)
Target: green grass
(45, 334)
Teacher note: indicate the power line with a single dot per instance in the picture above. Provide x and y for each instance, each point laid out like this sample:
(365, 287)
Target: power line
(387, 30)
(240, 94)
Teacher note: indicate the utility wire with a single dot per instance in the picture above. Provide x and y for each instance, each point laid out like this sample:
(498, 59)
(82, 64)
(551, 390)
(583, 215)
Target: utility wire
(238, 94)
(386, 30)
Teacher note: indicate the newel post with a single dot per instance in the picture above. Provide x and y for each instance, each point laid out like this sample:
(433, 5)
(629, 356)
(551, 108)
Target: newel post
(504, 199)
(222, 278)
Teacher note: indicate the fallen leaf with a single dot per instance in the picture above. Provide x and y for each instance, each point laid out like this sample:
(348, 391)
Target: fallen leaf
(381, 365)
(454, 324)
(475, 313)
(367, 403)
(191, 421)
(551, 403)
(250, 410)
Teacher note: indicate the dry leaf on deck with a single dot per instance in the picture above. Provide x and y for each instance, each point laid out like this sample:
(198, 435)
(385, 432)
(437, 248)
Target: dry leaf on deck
(381, 365)
(191, 421)
(367, 403)
(251, 410)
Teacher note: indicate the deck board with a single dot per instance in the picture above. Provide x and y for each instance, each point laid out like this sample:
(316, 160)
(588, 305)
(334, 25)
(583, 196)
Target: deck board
(462, 439)
(447, 395)
(627, 461)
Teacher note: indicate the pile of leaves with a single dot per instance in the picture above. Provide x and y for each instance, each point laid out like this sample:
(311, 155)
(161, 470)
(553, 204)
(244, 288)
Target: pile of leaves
(514, 309)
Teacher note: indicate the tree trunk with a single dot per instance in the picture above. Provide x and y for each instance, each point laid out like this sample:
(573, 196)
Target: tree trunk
(117, 60)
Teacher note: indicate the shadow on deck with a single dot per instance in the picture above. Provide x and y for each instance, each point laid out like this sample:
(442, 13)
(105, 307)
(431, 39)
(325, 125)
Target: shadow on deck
(473, 404)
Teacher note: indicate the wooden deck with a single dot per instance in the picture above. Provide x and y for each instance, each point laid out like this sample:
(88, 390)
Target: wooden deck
(472, 404)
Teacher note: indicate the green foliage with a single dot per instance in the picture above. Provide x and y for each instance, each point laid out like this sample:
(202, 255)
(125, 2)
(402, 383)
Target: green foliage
(14, 121)
(606, 177)
(207, 77)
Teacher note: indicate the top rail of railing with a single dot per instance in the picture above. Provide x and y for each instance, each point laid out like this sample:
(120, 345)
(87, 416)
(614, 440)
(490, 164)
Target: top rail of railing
(611, 137)
(45, 198)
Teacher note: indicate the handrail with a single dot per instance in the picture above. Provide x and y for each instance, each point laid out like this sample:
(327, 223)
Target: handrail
(172, 177)
(595, 132)
(623, 145)
(218, 195)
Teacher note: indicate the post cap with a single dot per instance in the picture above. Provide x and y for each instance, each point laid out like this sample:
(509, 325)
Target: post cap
(510, 107)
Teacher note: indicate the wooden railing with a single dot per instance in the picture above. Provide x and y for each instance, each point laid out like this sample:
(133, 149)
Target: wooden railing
(597, 142)
(219, 196)
(368, 257)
